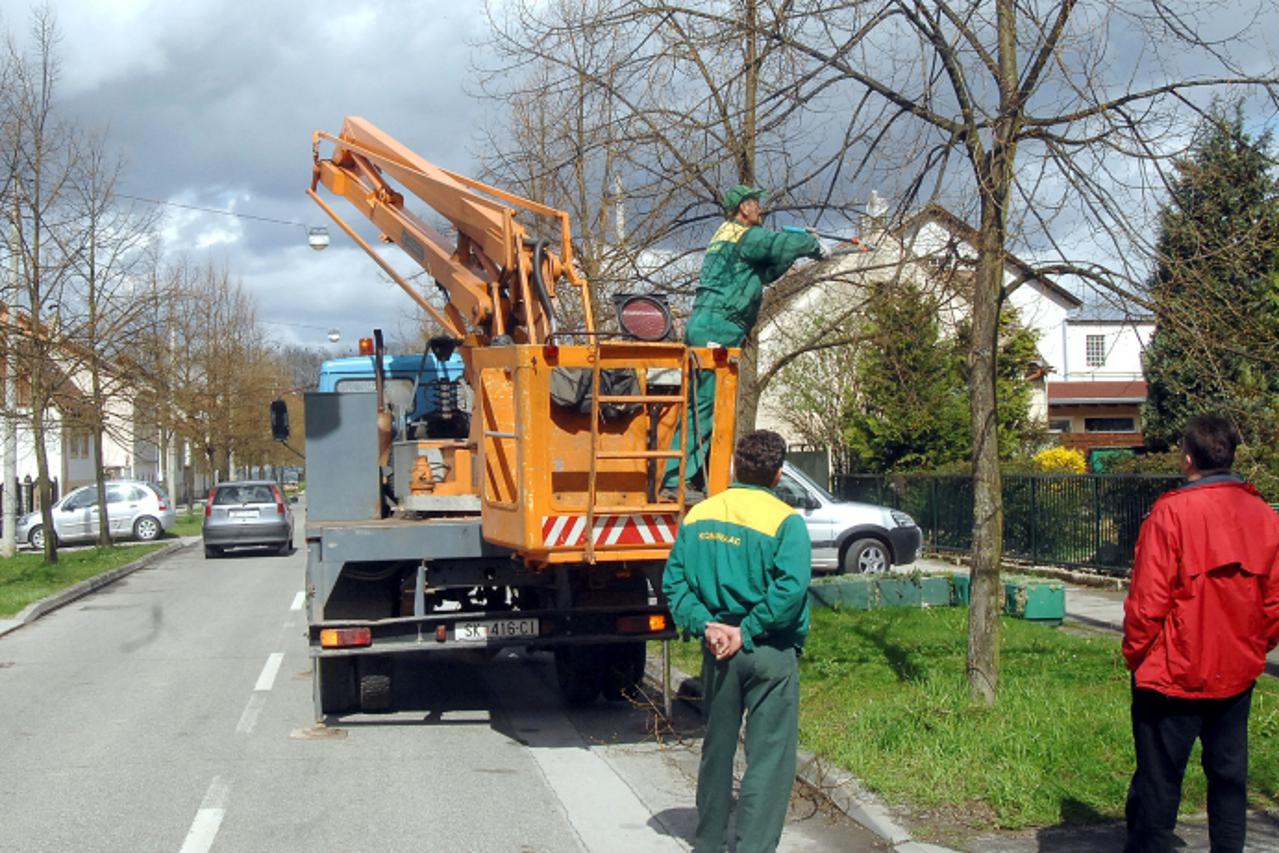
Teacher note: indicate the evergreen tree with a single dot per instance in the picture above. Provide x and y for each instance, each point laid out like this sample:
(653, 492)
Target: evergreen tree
(912, 410)
(1216, 341)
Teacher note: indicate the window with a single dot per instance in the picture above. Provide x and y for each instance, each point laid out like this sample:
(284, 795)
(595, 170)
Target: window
(1059, 425)
(792, 493)
(1095, 350)
(1110, 424)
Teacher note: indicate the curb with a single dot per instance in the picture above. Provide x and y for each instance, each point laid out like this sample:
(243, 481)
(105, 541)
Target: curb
(835, 785)
(36, 609)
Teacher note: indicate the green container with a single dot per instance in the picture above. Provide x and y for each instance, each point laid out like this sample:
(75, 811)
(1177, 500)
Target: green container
(961, 586)
(845, 594)
(1035, 600)
(899, 592)
(935, 591)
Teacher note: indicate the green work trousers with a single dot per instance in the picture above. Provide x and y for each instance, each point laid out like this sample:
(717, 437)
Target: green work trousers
(763, 683)
(699, 442)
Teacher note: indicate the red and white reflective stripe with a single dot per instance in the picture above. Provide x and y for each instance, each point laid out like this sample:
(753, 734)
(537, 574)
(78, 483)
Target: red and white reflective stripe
(570, 530)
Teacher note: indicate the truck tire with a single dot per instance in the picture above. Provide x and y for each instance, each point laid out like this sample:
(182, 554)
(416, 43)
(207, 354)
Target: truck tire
(337, 685)
(579, 671)
(624, 670)
(375, 685)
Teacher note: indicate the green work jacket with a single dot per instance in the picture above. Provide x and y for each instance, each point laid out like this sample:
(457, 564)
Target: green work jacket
(743, 558)
(738, 263)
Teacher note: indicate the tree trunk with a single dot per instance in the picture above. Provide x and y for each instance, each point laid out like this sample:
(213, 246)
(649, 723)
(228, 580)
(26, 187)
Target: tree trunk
(42, 474)
(988, 511)
(99, 475)
(747, 391)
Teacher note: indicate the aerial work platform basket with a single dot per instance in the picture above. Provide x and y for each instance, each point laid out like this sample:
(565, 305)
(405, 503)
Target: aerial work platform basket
(565, 485)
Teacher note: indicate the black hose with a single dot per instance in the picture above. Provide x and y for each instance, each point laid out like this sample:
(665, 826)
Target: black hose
(543, 296)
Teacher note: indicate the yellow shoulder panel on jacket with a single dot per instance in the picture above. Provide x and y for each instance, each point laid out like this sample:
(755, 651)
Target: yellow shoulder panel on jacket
(756, 509)
(729, 232)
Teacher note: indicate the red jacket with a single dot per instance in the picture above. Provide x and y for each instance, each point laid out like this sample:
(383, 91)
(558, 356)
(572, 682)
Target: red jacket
(1203, 608)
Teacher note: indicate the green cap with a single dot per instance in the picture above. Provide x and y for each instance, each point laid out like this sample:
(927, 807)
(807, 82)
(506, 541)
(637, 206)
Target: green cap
(738, 194)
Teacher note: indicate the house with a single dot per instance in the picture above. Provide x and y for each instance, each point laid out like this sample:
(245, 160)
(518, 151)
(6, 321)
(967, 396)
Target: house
(1088, 386)
(1095, 398)
(934, 250)
(131, 446)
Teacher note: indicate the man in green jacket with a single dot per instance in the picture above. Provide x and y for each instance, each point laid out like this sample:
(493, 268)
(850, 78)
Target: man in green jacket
(737, 576)
(742, 257)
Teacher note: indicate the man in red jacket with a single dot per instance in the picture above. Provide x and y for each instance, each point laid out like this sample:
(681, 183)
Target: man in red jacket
(1201, 614)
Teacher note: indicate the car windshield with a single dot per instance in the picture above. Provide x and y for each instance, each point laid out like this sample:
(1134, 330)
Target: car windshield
(249, 494)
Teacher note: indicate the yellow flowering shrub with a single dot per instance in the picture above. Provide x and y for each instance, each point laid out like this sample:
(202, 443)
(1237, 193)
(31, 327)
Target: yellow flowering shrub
(1060, 460)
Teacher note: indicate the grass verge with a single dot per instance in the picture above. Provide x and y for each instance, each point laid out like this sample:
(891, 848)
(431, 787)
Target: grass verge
(189, 522)
(26, 577)
(884, 695)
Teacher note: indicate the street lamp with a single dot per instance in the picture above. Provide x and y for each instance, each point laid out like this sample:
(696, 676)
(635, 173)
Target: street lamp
(317, 237)
(334, 336)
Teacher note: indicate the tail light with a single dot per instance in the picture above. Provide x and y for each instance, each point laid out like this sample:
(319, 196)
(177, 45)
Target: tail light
(649, 623)
(208, 503)
(163, 501)
(279, 500)
(338, 638)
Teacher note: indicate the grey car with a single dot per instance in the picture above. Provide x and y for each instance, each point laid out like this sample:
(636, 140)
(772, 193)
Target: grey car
(850, 537)
(247, 513)
(134, 508)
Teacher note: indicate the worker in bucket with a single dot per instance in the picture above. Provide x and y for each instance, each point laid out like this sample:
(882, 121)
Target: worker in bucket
(742, 257)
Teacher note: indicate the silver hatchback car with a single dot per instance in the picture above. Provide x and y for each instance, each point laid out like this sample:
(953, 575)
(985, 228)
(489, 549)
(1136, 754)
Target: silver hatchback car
(134, 508)
(247, 513)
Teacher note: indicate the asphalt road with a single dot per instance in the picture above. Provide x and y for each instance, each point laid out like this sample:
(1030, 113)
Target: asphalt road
(172, 711)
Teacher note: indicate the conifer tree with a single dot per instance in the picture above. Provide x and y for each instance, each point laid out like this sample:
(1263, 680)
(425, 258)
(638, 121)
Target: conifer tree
(1216, 342)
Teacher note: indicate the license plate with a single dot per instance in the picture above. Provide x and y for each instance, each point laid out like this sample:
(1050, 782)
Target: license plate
(483, 630)
(243, 513)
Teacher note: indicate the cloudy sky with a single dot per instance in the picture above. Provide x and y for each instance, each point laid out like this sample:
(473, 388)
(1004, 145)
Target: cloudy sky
(212, 104)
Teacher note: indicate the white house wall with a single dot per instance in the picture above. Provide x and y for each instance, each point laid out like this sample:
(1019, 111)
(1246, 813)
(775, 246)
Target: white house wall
(1125, 342)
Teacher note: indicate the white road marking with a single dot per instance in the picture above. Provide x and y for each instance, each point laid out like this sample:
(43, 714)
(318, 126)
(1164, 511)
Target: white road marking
(298, 600)
(208, 819)
(269, 671)
(249, 719)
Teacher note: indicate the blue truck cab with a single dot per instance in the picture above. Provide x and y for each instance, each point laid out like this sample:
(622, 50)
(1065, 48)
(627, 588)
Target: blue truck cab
(424, 392)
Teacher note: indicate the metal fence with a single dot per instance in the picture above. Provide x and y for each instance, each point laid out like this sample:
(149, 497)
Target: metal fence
(1085, 520)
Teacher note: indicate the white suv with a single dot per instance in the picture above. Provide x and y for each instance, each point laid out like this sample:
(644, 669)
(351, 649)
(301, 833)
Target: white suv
(850, 537)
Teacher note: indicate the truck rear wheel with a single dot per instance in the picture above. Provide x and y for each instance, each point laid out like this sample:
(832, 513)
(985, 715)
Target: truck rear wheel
(375, 685)
(623, 670)
(337, 685)
(580, 671)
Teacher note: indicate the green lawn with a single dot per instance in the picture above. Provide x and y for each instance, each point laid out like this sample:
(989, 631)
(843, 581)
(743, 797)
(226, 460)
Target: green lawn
(189, 523)
(884, 695)
(26, 578)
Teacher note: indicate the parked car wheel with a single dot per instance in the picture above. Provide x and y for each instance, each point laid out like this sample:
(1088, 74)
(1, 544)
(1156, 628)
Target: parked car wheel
(212, 552)
(147, 529)
(36, 537)
(867, 557)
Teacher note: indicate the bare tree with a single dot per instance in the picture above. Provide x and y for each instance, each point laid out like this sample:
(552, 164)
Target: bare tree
(107, 306)
(1055, 134)
(39, 166)
(635, 116)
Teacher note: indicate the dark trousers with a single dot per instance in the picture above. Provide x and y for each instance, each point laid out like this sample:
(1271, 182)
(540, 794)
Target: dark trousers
(1164, 729)
(763, 683)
